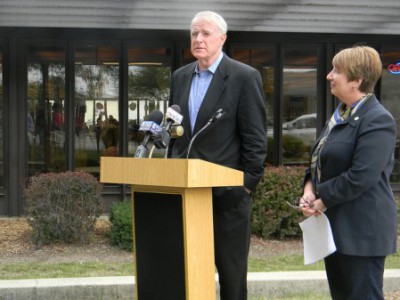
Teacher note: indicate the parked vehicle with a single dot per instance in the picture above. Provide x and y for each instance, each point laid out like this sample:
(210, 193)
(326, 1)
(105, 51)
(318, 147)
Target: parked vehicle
(303, 127)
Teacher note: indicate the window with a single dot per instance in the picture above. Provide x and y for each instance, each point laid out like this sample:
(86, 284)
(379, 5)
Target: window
(1, 121)
(299, 103)
(45, 131)
(390, 96)
(149, 78)
(96, 105)
(263, 60)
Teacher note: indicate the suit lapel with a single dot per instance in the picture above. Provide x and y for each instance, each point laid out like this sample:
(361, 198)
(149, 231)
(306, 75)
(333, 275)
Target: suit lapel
(213, 97)
(185, 83)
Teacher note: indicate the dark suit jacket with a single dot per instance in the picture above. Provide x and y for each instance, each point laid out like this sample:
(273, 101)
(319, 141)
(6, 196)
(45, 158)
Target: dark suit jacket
(238, 139)
(356, 163)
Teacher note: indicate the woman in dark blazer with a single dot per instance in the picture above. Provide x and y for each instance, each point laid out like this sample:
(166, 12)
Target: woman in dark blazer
(348, 178)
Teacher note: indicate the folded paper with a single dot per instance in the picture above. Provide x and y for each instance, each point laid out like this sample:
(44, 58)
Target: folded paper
(317, 238)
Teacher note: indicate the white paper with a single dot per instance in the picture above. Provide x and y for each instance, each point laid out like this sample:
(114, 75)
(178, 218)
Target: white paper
(317, 238)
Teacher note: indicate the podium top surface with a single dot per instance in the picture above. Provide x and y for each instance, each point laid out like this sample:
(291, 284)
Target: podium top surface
(182, 173)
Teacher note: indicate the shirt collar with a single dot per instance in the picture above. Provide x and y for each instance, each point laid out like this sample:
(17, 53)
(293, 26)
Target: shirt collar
(213, 67)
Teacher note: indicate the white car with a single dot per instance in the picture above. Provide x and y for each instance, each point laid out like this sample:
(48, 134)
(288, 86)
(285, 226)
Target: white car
(303, 127)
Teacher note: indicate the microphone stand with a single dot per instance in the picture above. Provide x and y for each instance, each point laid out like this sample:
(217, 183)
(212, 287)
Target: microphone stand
(218, 114)
(195, 136)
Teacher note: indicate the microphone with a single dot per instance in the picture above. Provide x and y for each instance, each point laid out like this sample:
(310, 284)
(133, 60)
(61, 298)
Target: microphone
(173, 116)
(216, 116)
(177, 131)
(161, 141)
(150, 127)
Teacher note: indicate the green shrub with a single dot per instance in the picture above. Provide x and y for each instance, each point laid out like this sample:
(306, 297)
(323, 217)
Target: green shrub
(63, 206)
(293, 146)
(121, 225)
(271, 216)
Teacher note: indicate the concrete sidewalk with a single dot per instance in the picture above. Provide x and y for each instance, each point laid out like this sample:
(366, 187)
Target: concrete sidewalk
(261, 286)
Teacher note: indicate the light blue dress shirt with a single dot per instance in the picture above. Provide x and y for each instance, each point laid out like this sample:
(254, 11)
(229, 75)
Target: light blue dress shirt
(200, 82)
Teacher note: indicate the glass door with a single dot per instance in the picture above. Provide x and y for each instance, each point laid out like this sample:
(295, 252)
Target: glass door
(390, 96)
(149, 78)
(45, 131)
(299, 102)
(96, 105)
(263, 59)
(1, 120)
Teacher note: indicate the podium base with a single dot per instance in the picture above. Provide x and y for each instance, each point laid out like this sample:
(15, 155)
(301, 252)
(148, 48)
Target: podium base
(159, 246)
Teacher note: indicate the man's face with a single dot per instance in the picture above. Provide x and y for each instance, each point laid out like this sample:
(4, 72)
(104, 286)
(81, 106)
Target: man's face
(206, 42)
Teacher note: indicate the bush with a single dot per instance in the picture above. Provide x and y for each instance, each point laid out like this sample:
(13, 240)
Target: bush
(63, 206)
(271, 216)
(121, 225)
(293, 146)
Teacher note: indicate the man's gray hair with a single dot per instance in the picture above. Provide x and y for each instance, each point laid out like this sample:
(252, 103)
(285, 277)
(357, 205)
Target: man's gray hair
(213, 18)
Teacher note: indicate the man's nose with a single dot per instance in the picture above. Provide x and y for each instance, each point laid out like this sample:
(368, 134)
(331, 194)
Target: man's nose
(199, 37)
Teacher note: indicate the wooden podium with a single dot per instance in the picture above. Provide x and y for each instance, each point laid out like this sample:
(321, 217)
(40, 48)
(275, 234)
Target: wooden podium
(172, 222)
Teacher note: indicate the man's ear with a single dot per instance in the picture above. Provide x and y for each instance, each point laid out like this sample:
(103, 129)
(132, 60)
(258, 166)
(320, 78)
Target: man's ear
(223, 39)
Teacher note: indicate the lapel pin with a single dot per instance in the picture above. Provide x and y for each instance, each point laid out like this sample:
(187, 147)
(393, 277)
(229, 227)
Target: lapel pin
(356, 118)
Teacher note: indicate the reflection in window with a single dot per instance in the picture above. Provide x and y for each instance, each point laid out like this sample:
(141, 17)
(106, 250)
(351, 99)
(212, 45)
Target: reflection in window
(45, 134)
(390, 96)
(299, 104)
(263, 60)
(148, 89)
(1, 122)
(96, 106)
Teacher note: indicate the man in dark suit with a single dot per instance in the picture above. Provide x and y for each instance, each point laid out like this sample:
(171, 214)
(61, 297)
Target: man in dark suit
(236, 140)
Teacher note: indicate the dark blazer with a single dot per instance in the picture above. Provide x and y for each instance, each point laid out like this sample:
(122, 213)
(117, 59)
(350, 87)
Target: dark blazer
(356, 163)
(238, 139)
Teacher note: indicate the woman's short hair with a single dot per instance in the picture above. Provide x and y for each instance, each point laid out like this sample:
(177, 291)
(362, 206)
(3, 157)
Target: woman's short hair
(213, 18)
(360, 62)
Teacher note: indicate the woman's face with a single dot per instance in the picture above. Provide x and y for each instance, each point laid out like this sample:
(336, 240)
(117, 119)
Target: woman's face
(341, 87)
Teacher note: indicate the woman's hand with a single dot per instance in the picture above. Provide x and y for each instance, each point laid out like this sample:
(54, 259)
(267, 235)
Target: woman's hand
(309, 204)
(307, 198)
(313, 207)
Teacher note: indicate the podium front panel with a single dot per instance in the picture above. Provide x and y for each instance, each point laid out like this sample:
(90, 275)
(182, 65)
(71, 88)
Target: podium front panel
(159, 246)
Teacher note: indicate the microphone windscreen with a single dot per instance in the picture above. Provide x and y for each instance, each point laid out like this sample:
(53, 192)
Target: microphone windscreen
(176, 108)
(156, 116)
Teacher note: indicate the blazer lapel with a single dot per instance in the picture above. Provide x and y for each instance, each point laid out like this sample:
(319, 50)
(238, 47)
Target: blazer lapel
(213, 97)
(353, 120)
(359, 114)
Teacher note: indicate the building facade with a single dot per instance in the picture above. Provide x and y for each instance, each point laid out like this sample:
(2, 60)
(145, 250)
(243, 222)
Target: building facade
(75, 86)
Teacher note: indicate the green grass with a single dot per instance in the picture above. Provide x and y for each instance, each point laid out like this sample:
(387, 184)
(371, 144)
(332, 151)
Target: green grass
(308, 296)
(296, 263)
(38, 270)
(282, 263)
